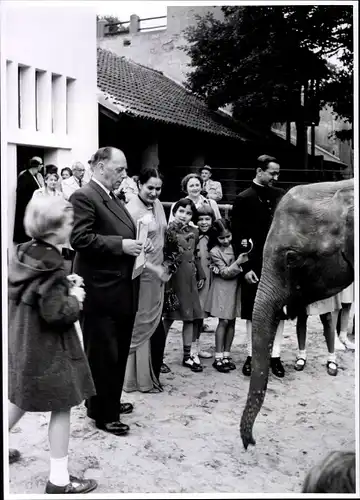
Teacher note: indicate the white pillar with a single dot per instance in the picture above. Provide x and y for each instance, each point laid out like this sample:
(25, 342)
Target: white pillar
(10, 179)
(43, 82)
(59, 104)
(12, 95)
(71, 104)
(101, 28)
(27, 98)
(134, 24)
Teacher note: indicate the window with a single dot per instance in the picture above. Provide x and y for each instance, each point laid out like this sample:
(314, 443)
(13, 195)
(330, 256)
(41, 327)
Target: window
(37, 99)
(54, 100)
(20, 68)
(70, 88)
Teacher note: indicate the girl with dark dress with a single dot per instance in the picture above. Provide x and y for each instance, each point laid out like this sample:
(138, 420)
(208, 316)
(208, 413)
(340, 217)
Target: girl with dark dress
(187, 278)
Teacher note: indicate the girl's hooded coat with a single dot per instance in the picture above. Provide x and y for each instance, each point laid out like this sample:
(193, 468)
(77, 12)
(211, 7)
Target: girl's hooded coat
(48, 369)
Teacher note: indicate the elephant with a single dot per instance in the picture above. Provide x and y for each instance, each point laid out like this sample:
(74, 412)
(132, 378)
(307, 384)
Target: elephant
(308, 256)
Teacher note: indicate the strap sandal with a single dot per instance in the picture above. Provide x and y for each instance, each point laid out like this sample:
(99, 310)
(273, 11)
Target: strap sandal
(299, 364)
(332, 368)
(190, 363)
(164, 368)
(229, 362)
(220, 366)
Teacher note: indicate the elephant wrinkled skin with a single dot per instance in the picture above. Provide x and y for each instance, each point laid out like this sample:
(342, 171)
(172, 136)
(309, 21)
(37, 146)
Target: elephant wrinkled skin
(308, 256)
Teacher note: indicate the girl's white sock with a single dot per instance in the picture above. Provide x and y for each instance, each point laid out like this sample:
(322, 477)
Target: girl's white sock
(226, 355)
(59, 473)
(332, 357)
(194, 348)
(343, 336)
(249, 337)
(219, 355)
(302, 354)
(276, 350)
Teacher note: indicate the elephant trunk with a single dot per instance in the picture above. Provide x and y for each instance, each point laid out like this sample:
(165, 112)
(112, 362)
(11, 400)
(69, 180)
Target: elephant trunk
(269, 301)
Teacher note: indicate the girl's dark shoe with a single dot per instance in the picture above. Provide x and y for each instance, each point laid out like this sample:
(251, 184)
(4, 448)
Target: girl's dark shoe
(332, 368)
(277, 367)
(247, 367)
(14, 455)
(220, 366)
(164, 368)
(190, 363)
(229, 362)
(76, 486)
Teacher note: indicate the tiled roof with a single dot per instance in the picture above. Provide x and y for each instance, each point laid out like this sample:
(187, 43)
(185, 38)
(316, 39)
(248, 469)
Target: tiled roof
(146, 93)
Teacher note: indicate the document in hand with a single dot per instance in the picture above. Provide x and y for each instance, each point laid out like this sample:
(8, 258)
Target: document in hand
(141, 234)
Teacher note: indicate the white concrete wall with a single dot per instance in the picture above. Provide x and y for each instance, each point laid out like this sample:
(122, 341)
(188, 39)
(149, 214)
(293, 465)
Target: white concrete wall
(56, 39)
(160, 49)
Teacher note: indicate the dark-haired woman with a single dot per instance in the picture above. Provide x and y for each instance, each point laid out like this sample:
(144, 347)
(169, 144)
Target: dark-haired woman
(148, 337)
(65, 173)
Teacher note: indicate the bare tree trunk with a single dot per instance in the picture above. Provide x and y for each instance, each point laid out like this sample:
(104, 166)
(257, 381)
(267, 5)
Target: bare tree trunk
(301, 142)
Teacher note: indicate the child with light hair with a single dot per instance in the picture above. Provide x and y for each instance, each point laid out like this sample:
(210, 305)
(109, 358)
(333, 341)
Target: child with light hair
(48, 369)
(335, 474)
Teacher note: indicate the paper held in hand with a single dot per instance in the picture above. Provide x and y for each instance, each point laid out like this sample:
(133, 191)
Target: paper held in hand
(141, 235)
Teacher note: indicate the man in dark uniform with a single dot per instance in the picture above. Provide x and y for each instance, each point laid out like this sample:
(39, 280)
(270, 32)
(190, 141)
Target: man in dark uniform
(252, 214)
(28, 181)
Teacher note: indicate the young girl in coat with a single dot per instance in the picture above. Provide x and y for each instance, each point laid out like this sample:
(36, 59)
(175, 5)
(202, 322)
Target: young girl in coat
(48, 369)
(205, 220)
(223, 300)
(183, 261)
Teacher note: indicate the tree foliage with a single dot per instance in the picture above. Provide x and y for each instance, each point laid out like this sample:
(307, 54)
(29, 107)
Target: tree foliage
(114, 26)
(259, 58)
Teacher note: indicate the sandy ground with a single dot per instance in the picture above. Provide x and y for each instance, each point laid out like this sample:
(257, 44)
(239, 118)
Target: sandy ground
(186, 439)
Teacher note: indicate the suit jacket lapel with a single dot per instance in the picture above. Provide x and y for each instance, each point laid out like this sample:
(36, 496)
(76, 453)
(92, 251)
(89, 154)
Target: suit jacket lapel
(114, 206)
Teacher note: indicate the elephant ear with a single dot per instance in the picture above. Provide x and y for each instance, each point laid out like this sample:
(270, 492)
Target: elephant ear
(344, 198)
(349, 238)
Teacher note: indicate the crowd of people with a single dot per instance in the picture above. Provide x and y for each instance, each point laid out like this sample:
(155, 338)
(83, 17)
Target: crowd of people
(196, 264)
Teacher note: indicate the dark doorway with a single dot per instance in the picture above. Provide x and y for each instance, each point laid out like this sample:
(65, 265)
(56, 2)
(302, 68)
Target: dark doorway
(25, 153)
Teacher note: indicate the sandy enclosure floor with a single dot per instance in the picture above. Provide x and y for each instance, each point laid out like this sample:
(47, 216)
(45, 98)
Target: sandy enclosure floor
(186, 439)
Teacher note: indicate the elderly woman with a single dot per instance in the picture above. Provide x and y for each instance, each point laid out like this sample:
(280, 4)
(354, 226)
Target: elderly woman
(148, 338)
(192, 185)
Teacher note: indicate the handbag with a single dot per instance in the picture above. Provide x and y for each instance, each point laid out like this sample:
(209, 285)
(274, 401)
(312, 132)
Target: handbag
(171, 301)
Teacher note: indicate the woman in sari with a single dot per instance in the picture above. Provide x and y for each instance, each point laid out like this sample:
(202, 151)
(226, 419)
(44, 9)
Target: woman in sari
(148, 338)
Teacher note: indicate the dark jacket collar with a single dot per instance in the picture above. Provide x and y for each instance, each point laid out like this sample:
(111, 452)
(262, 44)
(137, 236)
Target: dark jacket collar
(114, 205)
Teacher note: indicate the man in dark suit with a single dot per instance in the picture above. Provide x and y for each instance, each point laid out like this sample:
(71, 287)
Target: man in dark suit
(104, 240)
(251, 218)
(28, 181)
